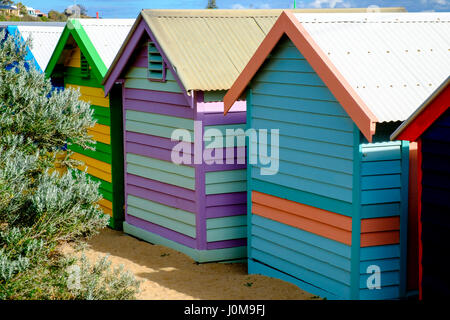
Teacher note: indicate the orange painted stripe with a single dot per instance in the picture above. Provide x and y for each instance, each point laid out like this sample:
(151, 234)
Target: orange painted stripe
(380, 238)
(380, 224)
(303, 210)
(380, 231)
(303, 217)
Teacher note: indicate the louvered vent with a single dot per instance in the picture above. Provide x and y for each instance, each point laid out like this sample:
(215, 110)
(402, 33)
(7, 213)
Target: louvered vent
(155, 63)
(84, 65)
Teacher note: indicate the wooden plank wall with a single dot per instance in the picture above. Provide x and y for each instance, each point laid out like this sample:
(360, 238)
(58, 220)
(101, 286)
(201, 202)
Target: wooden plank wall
(301, 220)
(98, 162)
(162, 197)
(316, 135)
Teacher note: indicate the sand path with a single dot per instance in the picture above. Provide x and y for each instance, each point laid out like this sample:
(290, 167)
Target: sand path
(168, 274)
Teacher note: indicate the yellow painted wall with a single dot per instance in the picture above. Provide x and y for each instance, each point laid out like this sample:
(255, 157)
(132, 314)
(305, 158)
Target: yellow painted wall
(100, 133)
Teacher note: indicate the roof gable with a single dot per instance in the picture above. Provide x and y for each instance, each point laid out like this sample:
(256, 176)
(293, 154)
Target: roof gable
(425, 115)
(208, 49)
(371, 86)
(288, 25)
(45, 38)
(95, 41)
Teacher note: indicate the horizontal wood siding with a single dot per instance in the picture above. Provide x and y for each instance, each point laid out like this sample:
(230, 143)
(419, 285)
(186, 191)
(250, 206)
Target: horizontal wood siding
(380, 231)
(317, 221)
(225, 181)
(316, 135)
(387, 258)
(163, 171)
(316, 260)
(169, 217)
(435, 216)
(99, 162)
(160, 194)
(381, 182)
(156, 125)
(169, 201)
(226, 228)
(226, 204)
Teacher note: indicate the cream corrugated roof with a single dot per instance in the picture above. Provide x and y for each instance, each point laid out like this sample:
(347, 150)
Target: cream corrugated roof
(107, 35)
(209, 48)
(394, 61)
(44, 40)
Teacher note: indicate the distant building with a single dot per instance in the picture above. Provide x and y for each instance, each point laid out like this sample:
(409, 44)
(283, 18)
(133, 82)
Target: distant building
(39, 13)
(31, 11)
(9, 10)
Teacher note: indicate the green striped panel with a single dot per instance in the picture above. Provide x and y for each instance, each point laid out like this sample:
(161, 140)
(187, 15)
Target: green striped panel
(164, 171)
(73, 76)
(156, 125)
(171, 218)
(225, 181)
(102, 151)
(226, 228)
(105, 189)
(102, 115)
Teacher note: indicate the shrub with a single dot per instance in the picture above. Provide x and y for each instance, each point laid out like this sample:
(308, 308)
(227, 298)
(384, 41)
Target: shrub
(40, 208)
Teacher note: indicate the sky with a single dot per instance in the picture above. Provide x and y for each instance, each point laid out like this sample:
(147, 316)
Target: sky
(131, 8)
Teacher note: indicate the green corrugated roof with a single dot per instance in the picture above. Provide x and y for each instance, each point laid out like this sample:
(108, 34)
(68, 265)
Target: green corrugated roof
(210, 48)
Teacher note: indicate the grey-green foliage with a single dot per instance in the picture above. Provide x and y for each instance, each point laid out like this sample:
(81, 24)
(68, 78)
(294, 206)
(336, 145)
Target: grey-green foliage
(88, 281)
(39, 207)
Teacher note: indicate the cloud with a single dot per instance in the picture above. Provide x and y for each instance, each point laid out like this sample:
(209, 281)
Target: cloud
(251, 6)
(330, 3)
(438, 4)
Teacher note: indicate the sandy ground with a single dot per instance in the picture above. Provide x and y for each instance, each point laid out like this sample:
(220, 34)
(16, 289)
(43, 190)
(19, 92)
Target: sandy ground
(169, 275)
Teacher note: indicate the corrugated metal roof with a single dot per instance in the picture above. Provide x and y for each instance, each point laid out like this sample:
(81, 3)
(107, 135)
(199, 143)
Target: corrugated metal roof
(32, 23)
(394, 61)
(210, 48)
(107, 35)
(419, 110)
(44, 40)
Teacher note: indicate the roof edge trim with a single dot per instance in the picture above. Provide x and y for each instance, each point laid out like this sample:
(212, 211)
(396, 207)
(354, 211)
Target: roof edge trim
(74, 28)
(420, 120)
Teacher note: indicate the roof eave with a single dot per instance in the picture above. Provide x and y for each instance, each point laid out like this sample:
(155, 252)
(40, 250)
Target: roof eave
(405, 131)
(112, 74)
(73, 28)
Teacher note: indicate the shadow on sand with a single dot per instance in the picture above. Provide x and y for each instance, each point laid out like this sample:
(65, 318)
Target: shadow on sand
(168, 274)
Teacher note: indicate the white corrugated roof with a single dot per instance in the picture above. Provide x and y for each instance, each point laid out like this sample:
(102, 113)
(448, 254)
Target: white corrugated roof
(394, 61)
(107, 35)
(44, 40)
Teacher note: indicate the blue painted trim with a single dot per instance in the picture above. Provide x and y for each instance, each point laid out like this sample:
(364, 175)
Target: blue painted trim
(356, 218)
(404, 219)
(302, 236)
(13, 30)
(380, 252)
(255, 267)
